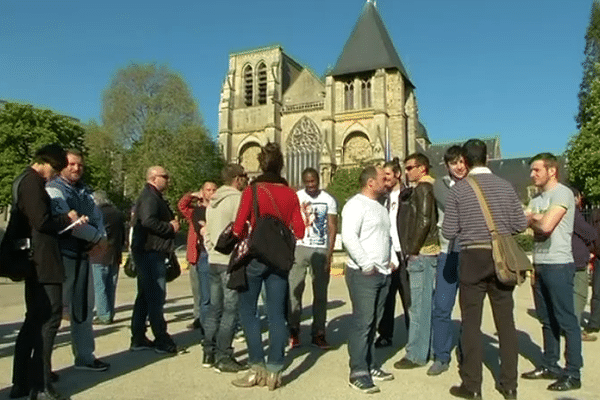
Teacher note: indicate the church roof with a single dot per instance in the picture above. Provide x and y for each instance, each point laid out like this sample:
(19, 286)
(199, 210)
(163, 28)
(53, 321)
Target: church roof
(369, 47)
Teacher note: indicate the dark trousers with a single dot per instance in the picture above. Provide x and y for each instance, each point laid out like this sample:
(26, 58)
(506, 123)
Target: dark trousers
(222, 315)
(151, 295)
(367, 294)
(33, 349)
(478, 278)
(553, 297)
(594, 321)
(399, 283)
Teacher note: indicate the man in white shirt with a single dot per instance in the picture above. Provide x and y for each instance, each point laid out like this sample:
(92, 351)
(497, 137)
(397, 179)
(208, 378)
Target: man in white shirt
(366, 237)
(313, 251)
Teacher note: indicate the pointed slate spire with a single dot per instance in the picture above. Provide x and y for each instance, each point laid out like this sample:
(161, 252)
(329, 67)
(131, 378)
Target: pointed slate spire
(369, 47)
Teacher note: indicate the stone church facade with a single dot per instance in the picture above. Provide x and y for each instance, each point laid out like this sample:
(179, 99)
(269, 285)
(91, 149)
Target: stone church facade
(365, 109)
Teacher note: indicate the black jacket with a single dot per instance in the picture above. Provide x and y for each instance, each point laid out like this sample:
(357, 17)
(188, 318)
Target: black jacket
(33, 219)
(151, 228)
(417, 219)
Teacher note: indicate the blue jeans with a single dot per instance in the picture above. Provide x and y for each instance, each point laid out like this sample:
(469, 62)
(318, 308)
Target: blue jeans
(276, 288)
(152, 292)
(421, 273)
(367, 294)
(82, 333)
(200, 284)
(553, 297)
(223, 315)
(444, 297)
(105, 289)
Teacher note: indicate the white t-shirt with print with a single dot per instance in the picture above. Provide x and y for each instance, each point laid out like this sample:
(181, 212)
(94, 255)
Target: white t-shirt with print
(316, 234)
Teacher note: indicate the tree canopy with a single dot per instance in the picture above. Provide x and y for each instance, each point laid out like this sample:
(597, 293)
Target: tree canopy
(23, 130)
(583, 150)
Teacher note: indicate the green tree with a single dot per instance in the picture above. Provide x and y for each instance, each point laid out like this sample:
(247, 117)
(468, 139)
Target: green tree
(344, 185)
(583, 152)
(23, 130)
(591, 57)
(150, 118)
(146, 97)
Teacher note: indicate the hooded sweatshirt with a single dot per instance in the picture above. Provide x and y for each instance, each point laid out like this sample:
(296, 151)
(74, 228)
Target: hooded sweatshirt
(221, 211)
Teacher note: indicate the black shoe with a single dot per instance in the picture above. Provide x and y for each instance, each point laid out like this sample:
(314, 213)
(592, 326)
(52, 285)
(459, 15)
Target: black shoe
(464, 393)
(141, 344)
(230, 365)
(166, 347)
(540, 373)
(208, 360)
(405, 363)
(565, 383)
(18, 391)
(96, 365)
(589, 329)
(48, 394)
(510, 394)
(382, 341)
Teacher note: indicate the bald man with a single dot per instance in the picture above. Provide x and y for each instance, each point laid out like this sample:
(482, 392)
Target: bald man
(154, 229)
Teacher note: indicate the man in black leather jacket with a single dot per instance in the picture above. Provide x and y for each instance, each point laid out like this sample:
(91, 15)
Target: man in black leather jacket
(418, 231)
(154, 229)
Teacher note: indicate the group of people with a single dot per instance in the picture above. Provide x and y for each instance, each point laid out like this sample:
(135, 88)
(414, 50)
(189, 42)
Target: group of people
(430, 238)
(421, 237)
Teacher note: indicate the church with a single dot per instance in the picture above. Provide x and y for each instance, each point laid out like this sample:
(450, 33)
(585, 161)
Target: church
(364, 110)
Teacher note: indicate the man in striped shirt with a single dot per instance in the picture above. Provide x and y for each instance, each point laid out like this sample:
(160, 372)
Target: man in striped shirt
(465, 221)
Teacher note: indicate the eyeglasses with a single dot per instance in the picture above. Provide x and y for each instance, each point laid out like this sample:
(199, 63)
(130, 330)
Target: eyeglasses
(165, 176)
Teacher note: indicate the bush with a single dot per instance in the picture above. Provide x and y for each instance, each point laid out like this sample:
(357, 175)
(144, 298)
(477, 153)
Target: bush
(525, 241)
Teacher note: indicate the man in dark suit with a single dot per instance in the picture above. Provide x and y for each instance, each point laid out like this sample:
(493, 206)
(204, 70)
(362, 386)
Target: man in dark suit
(32, 372)
(154, 229)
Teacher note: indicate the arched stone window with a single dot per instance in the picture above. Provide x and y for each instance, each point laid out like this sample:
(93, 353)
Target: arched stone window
(248, 86)
(365, 93)
(349, 95)
(261, 74)
(303, 150)
(357, 148)
(249, 157)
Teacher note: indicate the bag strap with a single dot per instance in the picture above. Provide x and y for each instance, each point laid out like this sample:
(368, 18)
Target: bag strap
(255, 202)
(272, 202)
(15, 192)
(483, 203)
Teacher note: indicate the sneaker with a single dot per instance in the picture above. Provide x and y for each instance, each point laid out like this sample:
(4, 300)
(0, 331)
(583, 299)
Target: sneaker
(229, 365)
(142, 344)
(378, 374)
(208, 360)
(96, 365)
(100, 321)
(437, 368)
(405, 363)
(320, 342)
(167, 347)
(364, 384)
(294, 339)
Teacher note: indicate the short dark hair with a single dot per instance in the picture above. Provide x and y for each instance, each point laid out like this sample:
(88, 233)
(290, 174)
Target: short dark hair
(75, 152)
(453, 153)
(549, 159)
(310, 171)
(393, 164)
(52, 154)
(270, 158)
(230, 172)
(475, 153)
(369, 172)
(421, 160)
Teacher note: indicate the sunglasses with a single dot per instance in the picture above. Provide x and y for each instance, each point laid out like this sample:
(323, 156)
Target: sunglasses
(164, 176)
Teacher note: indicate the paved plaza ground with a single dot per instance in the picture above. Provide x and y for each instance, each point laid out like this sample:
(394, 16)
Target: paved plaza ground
(310, 374)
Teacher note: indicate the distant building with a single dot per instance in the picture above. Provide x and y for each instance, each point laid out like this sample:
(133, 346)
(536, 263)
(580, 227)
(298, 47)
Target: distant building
(364, 110)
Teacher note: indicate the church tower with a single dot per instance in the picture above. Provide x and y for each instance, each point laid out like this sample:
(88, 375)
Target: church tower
(365, 110)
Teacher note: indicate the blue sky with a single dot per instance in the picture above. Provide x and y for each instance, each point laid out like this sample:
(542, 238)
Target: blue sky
(481, 68)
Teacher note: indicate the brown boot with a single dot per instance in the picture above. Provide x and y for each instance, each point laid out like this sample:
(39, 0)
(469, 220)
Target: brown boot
(256, 376)
(273, 380)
